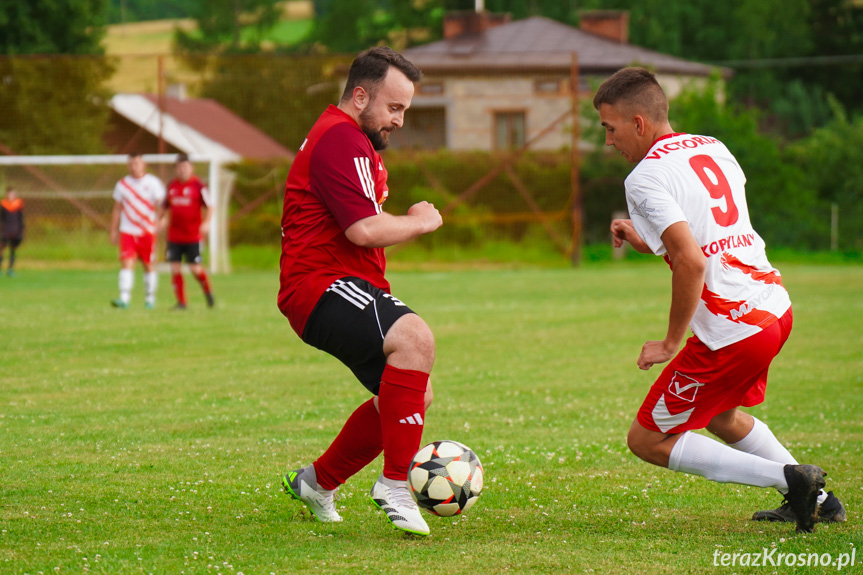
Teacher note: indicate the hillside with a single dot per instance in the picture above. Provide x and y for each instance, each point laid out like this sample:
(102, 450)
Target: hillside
(138, 45)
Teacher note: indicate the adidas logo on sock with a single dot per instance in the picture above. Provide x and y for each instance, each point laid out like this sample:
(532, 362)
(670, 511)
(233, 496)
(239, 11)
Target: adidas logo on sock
(415, 419)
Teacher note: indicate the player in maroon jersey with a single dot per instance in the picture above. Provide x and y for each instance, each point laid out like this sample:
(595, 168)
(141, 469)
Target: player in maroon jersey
(334, 292)
(188, 206)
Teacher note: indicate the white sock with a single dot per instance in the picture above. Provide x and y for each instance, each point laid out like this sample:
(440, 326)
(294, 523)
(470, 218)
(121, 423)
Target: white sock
(761, 442)
(151, 280)
(392, 482)
(716, 461)
(127, 279)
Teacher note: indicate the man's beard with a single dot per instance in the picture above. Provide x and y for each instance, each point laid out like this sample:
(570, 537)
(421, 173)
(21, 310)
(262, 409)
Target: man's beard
(380, 139)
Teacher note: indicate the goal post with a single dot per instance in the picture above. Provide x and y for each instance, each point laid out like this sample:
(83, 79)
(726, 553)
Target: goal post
(65, 190)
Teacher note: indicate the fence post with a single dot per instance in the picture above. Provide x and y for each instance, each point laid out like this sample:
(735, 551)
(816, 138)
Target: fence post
(834, 227)
(575, 175)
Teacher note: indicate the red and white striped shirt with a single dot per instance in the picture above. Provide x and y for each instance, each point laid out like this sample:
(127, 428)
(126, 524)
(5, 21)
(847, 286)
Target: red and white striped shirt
(696, 179)
(139, 198)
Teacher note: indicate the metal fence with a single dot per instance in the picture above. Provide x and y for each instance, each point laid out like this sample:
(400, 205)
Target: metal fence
(519, 183)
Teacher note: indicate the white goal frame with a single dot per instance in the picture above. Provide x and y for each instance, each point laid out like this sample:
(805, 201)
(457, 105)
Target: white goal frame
(220, 182)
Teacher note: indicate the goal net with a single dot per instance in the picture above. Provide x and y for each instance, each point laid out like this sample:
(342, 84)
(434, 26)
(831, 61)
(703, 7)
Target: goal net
(68, 202)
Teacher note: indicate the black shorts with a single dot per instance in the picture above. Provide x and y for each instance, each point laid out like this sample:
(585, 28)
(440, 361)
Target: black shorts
(177, 252)
(13, 242)
(350, 322)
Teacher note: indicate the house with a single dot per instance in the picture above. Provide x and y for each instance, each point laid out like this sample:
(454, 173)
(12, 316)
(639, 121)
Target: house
(492, 83)
(196, 126)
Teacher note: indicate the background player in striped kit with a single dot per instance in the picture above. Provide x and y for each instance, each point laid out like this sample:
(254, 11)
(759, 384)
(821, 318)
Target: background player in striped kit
(334, 292)
(687, 200)
(138, 201)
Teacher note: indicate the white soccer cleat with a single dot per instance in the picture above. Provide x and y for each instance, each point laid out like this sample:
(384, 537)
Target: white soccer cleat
(394, 499)
(302, 484)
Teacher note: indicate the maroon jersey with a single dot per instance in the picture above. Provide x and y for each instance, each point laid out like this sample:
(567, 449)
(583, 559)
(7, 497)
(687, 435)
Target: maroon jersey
(336, 179)
(186, 200)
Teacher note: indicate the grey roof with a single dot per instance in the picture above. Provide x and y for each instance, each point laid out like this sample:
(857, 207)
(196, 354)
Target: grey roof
(542, 44)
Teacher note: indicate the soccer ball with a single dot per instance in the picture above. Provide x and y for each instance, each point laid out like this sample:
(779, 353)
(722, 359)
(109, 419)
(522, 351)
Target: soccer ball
(445, 478)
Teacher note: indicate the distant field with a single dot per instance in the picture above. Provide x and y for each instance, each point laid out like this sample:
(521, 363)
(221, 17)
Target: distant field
(148, 38)
(153, 442)
(137, 44)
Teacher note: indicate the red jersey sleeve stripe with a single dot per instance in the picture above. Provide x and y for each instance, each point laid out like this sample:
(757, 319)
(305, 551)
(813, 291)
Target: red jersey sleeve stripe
(359, 165)
(368, 183)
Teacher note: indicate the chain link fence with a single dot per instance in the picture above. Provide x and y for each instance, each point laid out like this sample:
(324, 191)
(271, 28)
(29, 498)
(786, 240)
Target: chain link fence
(523, 189)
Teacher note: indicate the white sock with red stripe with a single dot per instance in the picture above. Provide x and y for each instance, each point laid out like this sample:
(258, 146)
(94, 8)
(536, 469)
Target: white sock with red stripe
(151, 281)
(127, 280)
(716, 461)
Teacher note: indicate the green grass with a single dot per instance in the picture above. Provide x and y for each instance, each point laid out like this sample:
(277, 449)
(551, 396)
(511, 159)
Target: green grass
(153, 442)
(284, 33)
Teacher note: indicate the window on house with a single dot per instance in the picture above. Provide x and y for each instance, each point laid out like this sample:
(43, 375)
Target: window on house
(547, 86)
(430, 88)
(509, 130)
(424, 128)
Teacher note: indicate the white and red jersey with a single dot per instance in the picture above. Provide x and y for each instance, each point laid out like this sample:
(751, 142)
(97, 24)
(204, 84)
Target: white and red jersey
(695, 179)
(186, 200)
(336, 179)
(139, 198)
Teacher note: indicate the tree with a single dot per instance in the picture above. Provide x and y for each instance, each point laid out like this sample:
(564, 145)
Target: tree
(775, 48)
(228, 25)
(349, 26)
(137, 10)
(282, 94)
(776, 186)
(832, 161)
(53, 105)
(52, 27)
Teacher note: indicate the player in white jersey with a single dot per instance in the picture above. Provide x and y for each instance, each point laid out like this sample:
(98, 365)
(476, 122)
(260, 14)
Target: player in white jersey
(138, 200)
(687, 202)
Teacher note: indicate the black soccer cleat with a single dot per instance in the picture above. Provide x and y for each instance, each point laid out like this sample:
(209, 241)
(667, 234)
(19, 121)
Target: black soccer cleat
(210, 301)
(831, 511)
(804, 483)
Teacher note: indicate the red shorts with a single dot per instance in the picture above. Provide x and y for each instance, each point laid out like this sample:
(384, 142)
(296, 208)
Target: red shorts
(141, 246)
(699, 384)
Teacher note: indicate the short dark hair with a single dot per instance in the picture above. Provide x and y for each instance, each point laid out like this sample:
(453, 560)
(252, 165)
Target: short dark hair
(134, 155)
(370, 68)
(637, 89)
(182, 157)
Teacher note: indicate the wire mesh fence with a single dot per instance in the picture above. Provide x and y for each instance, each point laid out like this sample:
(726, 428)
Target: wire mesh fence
(518, 184)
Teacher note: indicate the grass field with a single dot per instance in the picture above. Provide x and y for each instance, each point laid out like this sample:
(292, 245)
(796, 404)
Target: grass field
(153, 442)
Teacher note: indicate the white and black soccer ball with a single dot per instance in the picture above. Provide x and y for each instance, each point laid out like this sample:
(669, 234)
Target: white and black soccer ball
(445, 478)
